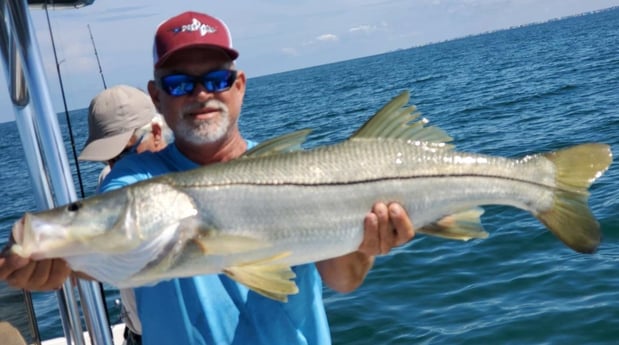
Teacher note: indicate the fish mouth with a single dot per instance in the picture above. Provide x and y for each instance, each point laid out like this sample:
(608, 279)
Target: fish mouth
(18, 229)
(36, 240)
(18, 234)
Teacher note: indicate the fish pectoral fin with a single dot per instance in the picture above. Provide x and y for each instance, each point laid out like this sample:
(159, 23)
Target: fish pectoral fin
(463, 226)
(393, 121)
(266, 277)
(284, 143)
(211, 242)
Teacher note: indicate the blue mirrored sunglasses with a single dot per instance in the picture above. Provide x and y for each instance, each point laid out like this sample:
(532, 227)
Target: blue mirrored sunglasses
(183, 84)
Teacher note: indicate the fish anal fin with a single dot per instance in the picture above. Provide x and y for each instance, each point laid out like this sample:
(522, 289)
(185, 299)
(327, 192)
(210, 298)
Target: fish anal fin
(463, 226)
(266, 277)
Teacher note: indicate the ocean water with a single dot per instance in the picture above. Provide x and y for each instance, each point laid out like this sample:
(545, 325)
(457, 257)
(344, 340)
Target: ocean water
(510, 93)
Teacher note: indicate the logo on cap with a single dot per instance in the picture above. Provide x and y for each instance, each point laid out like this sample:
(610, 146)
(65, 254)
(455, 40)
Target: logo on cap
(201, 30)
(195, 25)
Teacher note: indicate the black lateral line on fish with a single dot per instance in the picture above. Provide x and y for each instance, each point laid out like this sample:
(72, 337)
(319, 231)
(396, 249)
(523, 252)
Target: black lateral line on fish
(344, 183)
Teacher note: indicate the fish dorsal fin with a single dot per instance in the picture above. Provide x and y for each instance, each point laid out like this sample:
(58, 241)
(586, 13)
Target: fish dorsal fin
(266, 277)
(395, 122)
(284, 143)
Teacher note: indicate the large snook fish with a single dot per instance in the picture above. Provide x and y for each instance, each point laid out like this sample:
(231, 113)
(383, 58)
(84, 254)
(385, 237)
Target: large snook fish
(277, 206)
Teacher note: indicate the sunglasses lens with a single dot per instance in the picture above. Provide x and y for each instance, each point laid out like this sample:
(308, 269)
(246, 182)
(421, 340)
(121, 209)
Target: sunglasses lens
(214, 81)
(178, 84)
(218, 81)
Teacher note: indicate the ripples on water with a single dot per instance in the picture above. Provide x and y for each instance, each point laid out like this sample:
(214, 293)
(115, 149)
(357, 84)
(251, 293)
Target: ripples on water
(509, 93)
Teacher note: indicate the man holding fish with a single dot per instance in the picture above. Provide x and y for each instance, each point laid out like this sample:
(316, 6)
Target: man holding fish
(199, 91)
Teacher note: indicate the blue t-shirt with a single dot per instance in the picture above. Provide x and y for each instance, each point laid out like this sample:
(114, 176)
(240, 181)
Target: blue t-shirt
(213, 309)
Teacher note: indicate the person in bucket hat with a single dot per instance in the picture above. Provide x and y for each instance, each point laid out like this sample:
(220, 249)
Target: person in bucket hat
(122, 120)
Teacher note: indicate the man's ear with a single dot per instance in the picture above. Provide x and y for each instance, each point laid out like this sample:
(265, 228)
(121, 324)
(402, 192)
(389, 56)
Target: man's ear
(153, 91)
(240, 78)
(156, 132)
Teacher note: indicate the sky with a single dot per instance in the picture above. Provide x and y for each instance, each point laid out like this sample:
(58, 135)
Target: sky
(271, 35)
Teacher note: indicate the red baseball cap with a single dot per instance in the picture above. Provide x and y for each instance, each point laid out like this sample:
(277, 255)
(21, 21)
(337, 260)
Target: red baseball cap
(191, 29)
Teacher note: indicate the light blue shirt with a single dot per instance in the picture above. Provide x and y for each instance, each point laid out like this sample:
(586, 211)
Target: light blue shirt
(213, 309)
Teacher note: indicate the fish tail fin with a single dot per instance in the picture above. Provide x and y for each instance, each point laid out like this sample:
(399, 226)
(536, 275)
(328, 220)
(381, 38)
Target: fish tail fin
(570, 218)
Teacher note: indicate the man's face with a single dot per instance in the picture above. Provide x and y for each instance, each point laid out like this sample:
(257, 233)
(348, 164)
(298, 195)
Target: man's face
(200, 117)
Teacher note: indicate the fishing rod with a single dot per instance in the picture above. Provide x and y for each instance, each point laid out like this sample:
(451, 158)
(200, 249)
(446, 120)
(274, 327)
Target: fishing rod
(97, 56)
(64, 101)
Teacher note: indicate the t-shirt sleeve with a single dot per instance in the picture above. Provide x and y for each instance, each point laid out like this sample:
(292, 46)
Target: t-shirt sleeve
(125, 172)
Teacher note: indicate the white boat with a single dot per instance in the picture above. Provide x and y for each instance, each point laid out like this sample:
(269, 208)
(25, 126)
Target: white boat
(49, 170)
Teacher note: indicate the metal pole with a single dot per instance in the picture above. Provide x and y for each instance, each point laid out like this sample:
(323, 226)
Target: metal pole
(45, 155)
(25, 125)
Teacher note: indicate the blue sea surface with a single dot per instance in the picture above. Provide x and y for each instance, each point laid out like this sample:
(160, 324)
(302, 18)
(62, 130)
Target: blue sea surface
(510, 93)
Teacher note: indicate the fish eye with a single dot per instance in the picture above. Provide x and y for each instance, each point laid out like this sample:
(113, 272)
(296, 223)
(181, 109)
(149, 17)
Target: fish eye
(74, 206)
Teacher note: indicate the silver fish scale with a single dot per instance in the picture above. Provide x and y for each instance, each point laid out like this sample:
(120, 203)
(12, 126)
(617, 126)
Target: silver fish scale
(371, 159)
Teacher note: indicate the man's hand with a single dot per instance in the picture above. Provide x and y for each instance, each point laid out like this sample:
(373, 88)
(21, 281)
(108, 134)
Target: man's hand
(385, 227)
(42, 275)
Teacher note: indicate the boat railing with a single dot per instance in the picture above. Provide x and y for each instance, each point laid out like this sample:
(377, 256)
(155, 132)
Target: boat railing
(45, 155)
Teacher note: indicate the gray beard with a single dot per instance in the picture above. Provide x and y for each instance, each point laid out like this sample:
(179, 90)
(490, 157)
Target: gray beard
(205, 131)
